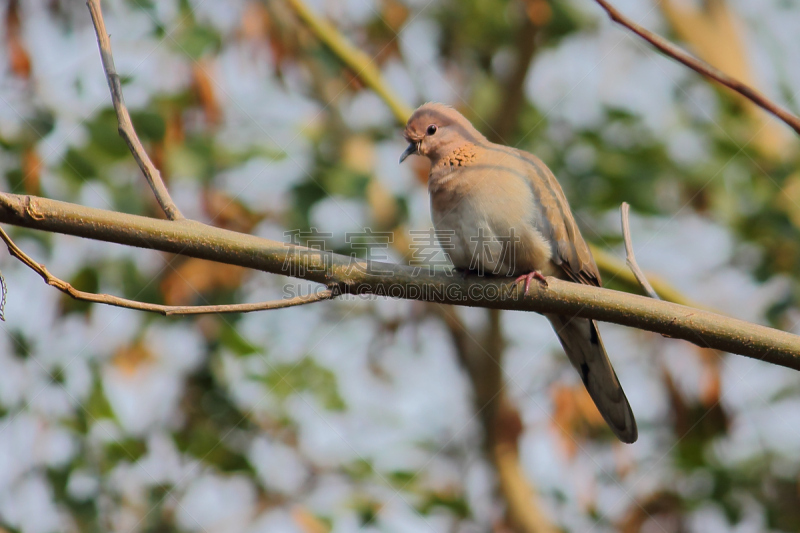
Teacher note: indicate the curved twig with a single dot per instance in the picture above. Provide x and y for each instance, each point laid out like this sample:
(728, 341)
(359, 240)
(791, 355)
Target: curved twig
(126, 130)
(166, 310)
(703, 68)
(613, 267)
(630, 258)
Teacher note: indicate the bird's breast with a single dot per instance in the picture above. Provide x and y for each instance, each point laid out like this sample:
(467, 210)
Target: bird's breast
(485, 224)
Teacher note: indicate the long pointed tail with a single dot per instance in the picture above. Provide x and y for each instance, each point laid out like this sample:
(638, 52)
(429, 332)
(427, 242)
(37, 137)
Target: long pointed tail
(584, 347)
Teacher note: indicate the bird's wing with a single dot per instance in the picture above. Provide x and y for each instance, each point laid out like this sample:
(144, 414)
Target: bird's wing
(570, 251)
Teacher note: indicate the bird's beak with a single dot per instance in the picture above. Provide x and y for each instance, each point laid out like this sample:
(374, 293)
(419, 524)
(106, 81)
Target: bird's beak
(413, 148)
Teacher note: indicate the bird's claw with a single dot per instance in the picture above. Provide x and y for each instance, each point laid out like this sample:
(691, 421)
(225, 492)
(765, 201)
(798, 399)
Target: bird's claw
(529, 276)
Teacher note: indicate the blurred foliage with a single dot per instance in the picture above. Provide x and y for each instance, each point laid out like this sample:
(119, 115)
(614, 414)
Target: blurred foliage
(304, 376)
(753, 193)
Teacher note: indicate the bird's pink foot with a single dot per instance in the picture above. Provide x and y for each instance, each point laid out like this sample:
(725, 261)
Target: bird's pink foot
(529, 276)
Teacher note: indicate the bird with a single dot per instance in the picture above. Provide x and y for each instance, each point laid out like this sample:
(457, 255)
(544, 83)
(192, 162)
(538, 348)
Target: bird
(500, 210)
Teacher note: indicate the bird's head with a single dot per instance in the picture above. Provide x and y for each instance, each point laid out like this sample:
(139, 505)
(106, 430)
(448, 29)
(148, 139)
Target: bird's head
(436, 130)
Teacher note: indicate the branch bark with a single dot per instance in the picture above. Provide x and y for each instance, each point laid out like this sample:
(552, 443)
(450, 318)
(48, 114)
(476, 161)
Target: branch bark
(701, 67)
(126, 130)
(186, 237)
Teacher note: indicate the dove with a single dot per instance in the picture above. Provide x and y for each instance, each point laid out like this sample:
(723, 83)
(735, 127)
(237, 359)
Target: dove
(505, 214)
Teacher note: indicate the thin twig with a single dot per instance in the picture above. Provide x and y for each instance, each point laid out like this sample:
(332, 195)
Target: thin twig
(613, 267)
(166, 310)
(703, 68)
(126, 129)
(630, 258)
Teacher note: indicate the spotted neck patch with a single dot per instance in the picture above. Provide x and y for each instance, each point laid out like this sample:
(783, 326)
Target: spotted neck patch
(461, 156)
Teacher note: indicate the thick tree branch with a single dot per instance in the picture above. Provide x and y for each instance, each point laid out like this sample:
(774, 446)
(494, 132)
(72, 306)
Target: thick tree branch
(166, 310)
(706, 329)
(126, 129)
(702, 67)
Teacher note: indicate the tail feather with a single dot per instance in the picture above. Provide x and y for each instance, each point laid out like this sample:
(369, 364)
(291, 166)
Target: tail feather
(584, 347)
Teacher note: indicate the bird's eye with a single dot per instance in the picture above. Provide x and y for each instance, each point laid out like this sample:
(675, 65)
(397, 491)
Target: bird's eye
(431, 129)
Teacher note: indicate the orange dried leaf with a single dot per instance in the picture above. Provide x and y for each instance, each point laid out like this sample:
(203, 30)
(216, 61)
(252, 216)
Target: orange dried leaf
(227, 212)
(255, 22)
(508, 424)
(18, 58)
(711, 384)
(394, 14)
(204, 89)
(574, 416)
(195, 277)
(128, 359)
(174, 134)
(31, 170)
(539, 12)
(307, 522)
(691, 417)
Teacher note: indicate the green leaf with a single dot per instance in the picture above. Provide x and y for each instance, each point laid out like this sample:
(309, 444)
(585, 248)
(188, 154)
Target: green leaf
(149, 125)
(286, 379)
(129, 450)
(231, 339)
(78, 167)
(197, 40)
(86, 279)
(104, 135)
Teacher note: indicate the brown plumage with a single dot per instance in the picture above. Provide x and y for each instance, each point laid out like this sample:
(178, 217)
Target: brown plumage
(507, 215)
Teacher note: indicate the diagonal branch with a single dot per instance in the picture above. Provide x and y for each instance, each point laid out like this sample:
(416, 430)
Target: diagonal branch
(702, 67)
(126, 129)
(354, 276)
(355, 59)
(166, 310)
